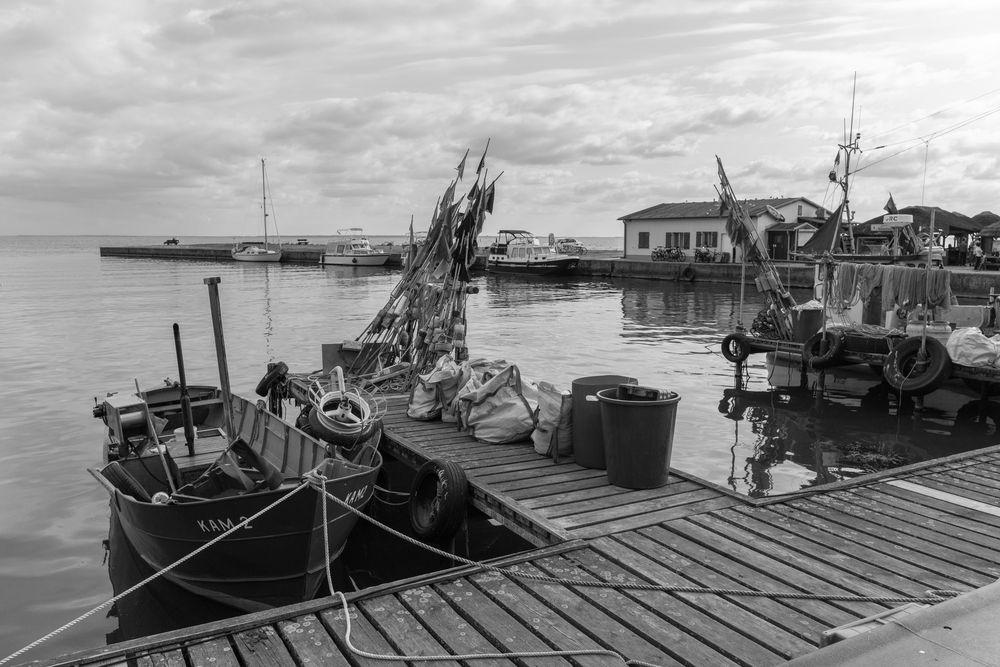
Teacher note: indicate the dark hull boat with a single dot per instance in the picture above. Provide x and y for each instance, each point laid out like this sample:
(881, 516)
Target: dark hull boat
(172, 498)
(518, 251)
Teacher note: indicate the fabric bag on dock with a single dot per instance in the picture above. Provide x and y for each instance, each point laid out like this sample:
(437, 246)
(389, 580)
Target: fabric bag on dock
(497, 412)
(435, 390)
(970, 347)
(553, 434)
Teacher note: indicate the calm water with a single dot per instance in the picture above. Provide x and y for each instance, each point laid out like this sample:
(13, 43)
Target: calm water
(76, 325)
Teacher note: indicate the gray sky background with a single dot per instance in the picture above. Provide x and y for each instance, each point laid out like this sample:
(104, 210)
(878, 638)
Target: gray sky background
(150, 117)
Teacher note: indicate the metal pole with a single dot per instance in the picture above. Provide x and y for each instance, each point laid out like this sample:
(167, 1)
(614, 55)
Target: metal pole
(186, 417)
(220, 353)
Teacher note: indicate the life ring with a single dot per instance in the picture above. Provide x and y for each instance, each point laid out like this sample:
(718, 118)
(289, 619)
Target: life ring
(271, 378)
(735, 348)
(906, 372)
(438, 499)
(812, 356)
(687, 273)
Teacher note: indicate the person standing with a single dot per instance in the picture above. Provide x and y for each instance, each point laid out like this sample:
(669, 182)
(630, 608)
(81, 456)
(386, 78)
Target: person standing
(977, 256)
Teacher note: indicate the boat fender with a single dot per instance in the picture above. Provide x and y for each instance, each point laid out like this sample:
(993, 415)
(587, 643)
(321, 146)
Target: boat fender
(687, 273)
(811, 356)
(273, 376)
(905, 371)
(735, 348)
(438, 499)
(354, 260)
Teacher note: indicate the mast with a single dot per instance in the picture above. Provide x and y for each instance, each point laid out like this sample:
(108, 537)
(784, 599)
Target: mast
(850, 146)
(263, 189)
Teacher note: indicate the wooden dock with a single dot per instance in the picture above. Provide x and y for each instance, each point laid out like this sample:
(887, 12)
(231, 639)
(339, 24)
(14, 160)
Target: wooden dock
(900, 533)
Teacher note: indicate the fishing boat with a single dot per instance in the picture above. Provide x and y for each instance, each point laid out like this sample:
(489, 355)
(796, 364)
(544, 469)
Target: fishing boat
(518, 251)
(351, 248)
(172, 498)
(252, 252)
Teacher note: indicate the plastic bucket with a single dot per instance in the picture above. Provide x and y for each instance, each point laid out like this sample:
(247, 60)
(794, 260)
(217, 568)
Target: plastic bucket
(588, 439)
(638, 436)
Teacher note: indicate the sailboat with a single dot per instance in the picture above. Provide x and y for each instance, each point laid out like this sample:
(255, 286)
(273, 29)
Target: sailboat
(253, 252)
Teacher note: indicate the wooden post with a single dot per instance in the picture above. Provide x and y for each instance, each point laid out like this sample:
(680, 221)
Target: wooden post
(220, 353)
(186, 416)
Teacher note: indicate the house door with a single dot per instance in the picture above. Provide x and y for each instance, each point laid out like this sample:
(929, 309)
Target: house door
(778, 246)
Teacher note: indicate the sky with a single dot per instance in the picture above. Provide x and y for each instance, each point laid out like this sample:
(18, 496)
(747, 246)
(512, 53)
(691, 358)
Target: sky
(151, 116)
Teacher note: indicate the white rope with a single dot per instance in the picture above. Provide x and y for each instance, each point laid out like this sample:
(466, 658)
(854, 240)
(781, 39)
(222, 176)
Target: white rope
(426, 658)
(153, 576)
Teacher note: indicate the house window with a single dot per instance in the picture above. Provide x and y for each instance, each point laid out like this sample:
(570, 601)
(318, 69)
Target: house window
(678, 240)
(707, 240)
(643, 239)
(800, 210)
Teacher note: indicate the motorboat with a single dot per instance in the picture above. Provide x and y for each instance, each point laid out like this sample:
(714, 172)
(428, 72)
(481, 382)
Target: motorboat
(351, 248)
(518, 251)
(177, 483)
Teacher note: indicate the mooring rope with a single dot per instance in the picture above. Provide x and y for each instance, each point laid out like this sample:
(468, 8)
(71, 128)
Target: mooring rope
(930, 597)
(153, 576)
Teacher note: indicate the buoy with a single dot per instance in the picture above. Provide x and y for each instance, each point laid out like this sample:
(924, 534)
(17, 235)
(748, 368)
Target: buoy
(438, 499)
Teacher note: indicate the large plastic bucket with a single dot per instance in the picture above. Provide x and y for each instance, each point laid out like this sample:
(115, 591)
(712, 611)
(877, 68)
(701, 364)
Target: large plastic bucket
(588, 440)
(638, 436)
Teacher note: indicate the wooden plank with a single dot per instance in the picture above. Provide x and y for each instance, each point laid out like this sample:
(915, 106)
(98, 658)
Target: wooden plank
(310, 642)
(954, 488)
(838, 553)
(787, 630)
(589, 501)
(605, 491)
(593, 482)
(814, 573)
(605, 514)
(737, 639)
(217, 652)
(941, 492)
(363, 636)
(405, 631)
(448, 627)
(553, 475)
(603, 627)
(928, 545)
(261, 646)
(931, 517)
(726, 562)
(639, 620)
(515, 609)
(969, 518)
(520, 472)
(653, 518)
(171, 658)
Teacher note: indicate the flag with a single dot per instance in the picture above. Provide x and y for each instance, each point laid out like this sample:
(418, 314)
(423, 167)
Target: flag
(461, 165)
(482, 160)
(488, 197)
(890, 206)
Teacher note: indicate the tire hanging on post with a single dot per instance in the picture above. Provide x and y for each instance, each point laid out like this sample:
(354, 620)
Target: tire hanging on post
(907, 371)
(438, 499)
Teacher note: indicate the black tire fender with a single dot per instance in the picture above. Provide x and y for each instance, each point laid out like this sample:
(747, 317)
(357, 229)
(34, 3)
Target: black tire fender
(438, 499)
(735, 348)
(906, 372)
(271, 378)
(811, 350)
(687, 273)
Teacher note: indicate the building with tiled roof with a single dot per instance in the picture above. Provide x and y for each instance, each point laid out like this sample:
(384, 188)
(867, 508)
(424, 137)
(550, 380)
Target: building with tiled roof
(784, 223)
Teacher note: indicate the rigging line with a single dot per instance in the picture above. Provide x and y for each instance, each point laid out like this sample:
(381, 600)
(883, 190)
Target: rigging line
(946, 130)
(939, 111)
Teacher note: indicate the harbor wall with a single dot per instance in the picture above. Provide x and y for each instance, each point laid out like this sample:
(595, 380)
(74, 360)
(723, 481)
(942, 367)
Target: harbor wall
(965, 283)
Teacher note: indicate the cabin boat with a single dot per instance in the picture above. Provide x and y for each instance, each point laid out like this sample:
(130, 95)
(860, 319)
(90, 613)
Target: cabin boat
(518, 251)
(176, 483)
(351, 248)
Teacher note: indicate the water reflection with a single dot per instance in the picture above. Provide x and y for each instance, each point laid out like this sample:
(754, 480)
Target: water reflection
(808, 429)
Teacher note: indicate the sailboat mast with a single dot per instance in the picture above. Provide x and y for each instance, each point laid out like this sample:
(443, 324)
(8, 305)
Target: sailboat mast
(851, 145)
(263, 189)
